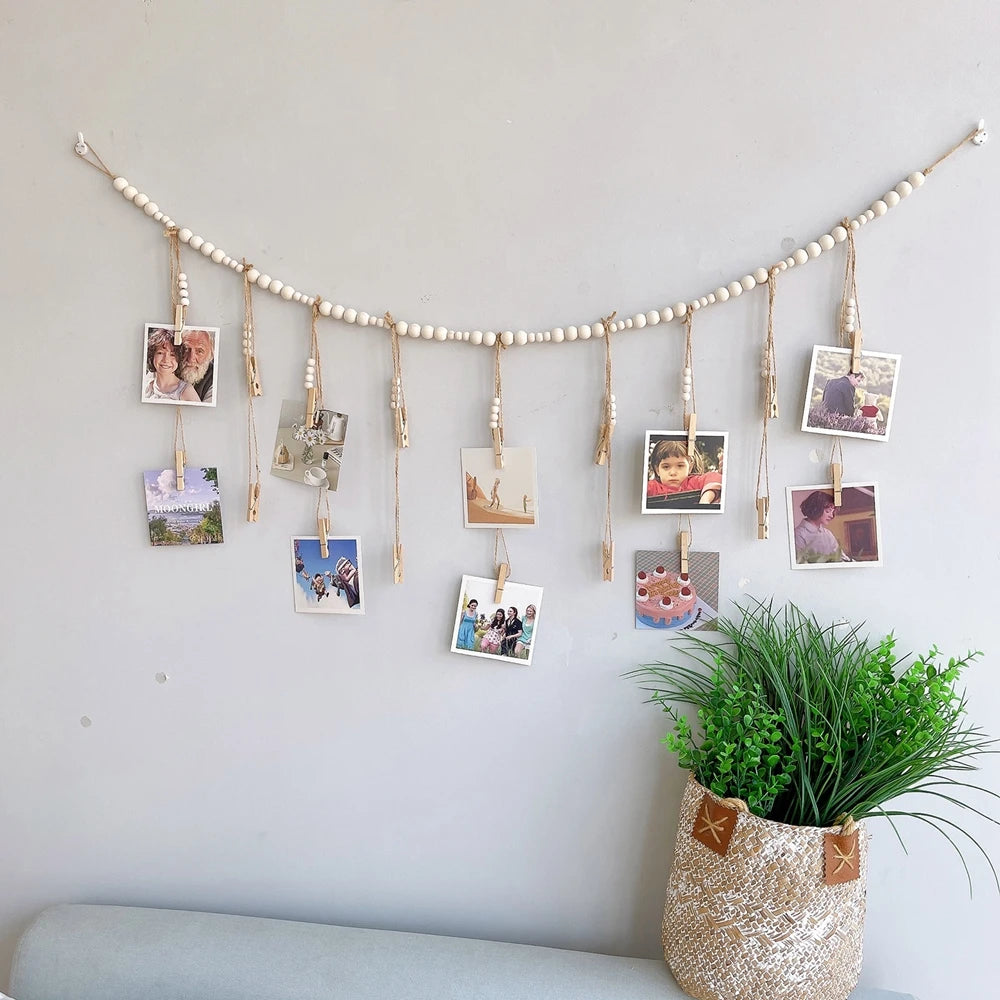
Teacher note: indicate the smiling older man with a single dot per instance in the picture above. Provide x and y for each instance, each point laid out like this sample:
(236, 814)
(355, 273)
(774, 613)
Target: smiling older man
(199, 363)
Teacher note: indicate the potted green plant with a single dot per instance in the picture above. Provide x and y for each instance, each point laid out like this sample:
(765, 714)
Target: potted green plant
(802, 733)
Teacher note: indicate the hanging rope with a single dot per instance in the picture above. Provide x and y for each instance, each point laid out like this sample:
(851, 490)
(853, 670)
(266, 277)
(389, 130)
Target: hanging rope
(687, 387)
(253, 390)
(770, 375)
(496, 409)
(397, 401)
(314, 355)
(604, 450)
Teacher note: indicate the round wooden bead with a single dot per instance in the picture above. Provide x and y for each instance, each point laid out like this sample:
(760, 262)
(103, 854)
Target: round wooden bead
(350, 315)
(195, 242)
(494, 425)
(275, 286)
(337, 312)
(680, 308)
(891, 198)
(129, 192)
(760, 276)
(184, 235)
(904, 189)
(237, 267)
(849, 327)
(851, 303)
(476, 337)
(218, 255)
(748, 282)
(687, 371)
(870, 214)
(703, 300)
(571, 333)
(653, 317)
(557, 334)
(440, 333)
(585, 331)
(466, 335)
(685, 395)
(735, 288)
(140, 200)
(489, 338)
(185, 301)
(789, 262)
(427, 332)
(711, 298)
(839, 233)
(813, 249)
(120, 183)
(253, 274)
(639, 321)
(287, 292)
(364, 319)
(521, 337)
(546, 335)
(826, 242)
(227, 261)
(916, 179)
(800, 256)
(695, 305)
(182, 277)
(722, 294)
(619, 325)
(264, 281)
(157, 217)
(879, 207)
(325, 308)
(207, 249)
(666, 314)
(413, 330)
(151, 208)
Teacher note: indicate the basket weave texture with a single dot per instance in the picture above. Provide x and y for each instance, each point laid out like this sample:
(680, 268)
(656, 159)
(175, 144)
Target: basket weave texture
(760, 923)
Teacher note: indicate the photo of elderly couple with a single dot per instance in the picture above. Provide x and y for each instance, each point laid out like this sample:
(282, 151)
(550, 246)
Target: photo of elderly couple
(179, 373)
(504, 630)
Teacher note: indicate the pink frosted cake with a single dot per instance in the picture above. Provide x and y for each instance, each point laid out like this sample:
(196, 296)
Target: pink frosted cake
(662, 599)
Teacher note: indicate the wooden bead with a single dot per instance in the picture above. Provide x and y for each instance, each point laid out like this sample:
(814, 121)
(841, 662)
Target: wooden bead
(826, 241)
(476, 337)
(585, 331)
(413, 330)
(813, 249)
(546, 335)
(666, 314)
(904, 189)
(891, 198)
(350, 315)
(401, 327)
(157, 217)
(466, 336)
(748, 282)
(521, 338)
(264, 281)
(685, 395)
(129, 192)
(275, 286)
(185, 301)
(839, 233)
(196, 242)
(287, 292)
(558, 334)
(440, 333)
(782, 265)
(639, 321)
(489, 338)
(879, 207)
(653, 317)
(337, 312)
(870, 214)
(427, 332)
(680, 308)
(218, 255)
(151, 208)
(703, 300)
(916, 179)
(325, 308)
(760, 276)
(722, 294)
(735, 289)
(789, 262)
(800, 256)
(206, 247)
(571, 333)
(140, 200)
(694, 305)
(185, 235)
(711, 298)
(364, 319)
(119, 183)
(253, 274)
(619, 325)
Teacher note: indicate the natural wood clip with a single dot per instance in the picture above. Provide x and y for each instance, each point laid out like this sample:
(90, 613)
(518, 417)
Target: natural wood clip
(179, 470)
(502, 570)
(763, 516)
(323, 529)
(838, 495)
(608, 561)
(692, 431)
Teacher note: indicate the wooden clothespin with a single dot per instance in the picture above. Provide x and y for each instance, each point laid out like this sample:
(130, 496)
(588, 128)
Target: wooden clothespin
(856, 350)
(835, 473)
(323, 528)
(179, 469)
(684, 539)
(310, 406)
(498, 449)
(402, 427)
(603, 443)
(772, 398)
(253, 502)
(502, 570)
(692, 429)
(253, 377)
(178, 325)
(608, 561)
(397, 564)
(763, 516)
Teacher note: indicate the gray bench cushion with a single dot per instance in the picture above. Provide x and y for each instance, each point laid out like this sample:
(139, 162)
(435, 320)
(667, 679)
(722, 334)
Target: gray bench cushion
(75, 952)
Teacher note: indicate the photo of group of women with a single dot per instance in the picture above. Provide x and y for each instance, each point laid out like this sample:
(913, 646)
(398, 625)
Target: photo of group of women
(500, 630)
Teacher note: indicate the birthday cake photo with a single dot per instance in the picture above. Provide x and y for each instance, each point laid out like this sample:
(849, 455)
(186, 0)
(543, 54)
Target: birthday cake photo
(673, 599)
(664, 599)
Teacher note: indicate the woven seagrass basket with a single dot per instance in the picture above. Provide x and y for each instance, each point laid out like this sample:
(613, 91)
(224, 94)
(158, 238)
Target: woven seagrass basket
(760, 922)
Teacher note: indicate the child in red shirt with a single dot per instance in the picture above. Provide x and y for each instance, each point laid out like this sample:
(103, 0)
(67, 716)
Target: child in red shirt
(670, 472)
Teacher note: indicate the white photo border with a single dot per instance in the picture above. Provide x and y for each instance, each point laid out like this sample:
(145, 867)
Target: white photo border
(490, 586)
(361, 609)
(683, 434)
(828, 488)
(216, 340)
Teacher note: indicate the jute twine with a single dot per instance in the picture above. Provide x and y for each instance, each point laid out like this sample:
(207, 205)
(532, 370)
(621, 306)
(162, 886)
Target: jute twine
(399, 420)
(850, 290)
(314, 354)
(608, 545)
(253, 452)
(689, 406)
(770, 391)
(759, 923)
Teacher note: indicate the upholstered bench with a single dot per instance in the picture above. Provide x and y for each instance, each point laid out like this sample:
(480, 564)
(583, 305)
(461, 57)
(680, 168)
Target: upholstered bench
(75, 952)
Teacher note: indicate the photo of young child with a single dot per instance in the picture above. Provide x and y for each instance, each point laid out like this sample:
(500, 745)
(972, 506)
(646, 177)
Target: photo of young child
(508, 631)
(674, 480)
(331, 585)
(179, 373)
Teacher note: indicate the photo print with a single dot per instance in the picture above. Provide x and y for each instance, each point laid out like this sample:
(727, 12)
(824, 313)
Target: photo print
(500, 498)
(500, 631)
(191, 516)
(670, 601)
(312, 452)
(674, 481)
(853, 404)
(330, 586)
(182, 374)
(823, 536)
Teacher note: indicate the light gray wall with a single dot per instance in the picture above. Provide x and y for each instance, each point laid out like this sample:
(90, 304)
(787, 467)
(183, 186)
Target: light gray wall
(517, 165)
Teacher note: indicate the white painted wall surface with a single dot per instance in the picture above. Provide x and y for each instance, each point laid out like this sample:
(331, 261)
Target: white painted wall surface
(515, 165)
